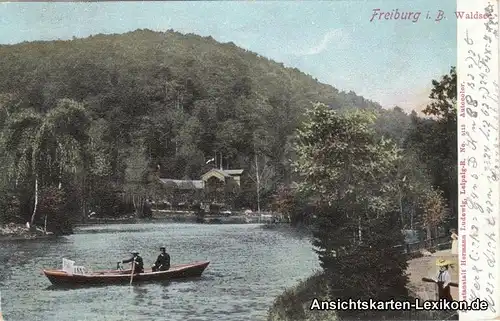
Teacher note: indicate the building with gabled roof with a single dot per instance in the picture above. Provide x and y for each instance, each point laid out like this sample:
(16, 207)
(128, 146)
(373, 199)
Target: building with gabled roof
(216, 186)
(223, 175)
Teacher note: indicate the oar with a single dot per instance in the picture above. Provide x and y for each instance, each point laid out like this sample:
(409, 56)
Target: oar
(431, 280)
(132, 274)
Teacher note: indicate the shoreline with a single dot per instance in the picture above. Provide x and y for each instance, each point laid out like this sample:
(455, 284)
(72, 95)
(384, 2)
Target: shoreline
(10, 238)
(183, 217)
(19, 232)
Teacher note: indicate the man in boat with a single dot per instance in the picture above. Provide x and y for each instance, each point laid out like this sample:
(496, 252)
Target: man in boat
(162, 262)
(443, 279)
(138, 262)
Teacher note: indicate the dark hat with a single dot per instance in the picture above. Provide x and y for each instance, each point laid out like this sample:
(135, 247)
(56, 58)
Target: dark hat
(163, 248)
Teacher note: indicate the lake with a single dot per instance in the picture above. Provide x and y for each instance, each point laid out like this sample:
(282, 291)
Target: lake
(249, 267)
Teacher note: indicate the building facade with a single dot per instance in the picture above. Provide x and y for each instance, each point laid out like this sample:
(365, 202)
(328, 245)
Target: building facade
(217, 186)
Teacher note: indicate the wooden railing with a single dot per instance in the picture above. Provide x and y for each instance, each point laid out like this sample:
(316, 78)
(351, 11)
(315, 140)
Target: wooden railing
(439, 243)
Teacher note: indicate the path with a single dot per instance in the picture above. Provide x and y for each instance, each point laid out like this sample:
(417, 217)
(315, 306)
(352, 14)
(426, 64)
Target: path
(426, 267)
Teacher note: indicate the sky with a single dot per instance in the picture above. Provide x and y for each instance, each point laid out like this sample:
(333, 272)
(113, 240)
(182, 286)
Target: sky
(389, 61)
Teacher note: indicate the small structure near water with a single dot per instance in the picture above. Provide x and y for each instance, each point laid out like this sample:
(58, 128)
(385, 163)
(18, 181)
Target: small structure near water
(215, 186)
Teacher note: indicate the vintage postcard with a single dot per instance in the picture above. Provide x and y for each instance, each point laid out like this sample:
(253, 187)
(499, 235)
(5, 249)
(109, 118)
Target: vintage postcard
(249, 160)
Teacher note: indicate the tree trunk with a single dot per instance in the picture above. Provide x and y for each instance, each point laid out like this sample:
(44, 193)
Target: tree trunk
(412, 214)
(401, 208)
(141, 213)
(359, 229)
(84, 197)
(257, 182)
(133, 202)
(429, 235)
(60, 168)
(32, 222)
(45, 225)
(60, 178)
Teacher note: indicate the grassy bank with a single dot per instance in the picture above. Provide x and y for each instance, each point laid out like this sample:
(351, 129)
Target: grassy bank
(294, 304)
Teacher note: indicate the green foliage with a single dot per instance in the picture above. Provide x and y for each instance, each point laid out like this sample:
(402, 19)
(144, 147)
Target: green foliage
(88, 109)
(148, 98)
(339, 158)
(436, 141)
(352, 174)
(293, 204)
(373, 269)
(366, 191)
(444, 96)
(186, 97)
(10, 205)
(57, 205)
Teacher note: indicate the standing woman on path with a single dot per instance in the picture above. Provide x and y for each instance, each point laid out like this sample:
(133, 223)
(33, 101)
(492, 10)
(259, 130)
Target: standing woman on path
(454, 241)
(443, 279)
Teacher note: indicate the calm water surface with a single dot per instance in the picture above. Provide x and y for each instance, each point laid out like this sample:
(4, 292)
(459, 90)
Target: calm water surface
(249, 267)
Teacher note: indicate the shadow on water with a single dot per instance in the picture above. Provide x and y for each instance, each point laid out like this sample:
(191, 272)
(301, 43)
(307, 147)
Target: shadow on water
(140, 285)
(140, 293)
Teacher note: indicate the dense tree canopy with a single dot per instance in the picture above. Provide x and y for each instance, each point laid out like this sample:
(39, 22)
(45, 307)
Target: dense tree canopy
(101, 115)
(151, 100)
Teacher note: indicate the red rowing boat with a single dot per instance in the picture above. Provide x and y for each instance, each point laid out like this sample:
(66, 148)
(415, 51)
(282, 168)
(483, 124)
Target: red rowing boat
(82, 277)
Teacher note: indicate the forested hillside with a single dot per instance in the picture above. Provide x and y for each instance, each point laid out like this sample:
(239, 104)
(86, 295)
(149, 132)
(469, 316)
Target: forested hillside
(93, 118)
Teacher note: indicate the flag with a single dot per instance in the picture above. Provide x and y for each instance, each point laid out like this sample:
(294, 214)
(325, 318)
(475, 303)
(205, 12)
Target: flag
(210, 160)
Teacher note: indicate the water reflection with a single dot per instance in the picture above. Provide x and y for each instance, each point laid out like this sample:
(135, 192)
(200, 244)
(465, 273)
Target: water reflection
(140, 294)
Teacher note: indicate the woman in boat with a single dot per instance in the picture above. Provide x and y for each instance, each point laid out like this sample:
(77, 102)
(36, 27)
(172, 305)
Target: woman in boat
(139, 263)
(162, 262)
(443, 279)
(454, 242)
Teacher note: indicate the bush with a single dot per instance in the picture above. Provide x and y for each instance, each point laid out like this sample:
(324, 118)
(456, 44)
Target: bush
(60, 207)
(294, 304)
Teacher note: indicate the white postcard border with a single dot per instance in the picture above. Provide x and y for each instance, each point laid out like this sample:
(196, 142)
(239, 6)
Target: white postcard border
(478, 161)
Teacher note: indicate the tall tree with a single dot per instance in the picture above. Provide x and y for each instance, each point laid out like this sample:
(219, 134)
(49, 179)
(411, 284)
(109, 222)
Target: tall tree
(437, 140)
(48, 145)
(353, 176)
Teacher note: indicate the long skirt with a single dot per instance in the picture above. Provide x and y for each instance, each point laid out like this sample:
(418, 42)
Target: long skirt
(444, 293)
(454, 247)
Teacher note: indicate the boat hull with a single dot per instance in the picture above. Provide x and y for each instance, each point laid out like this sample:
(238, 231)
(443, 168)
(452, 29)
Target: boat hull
(61, 278)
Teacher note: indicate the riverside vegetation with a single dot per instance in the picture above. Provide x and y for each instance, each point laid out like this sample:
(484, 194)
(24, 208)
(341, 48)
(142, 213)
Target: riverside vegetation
(364, 189)
(89, 124)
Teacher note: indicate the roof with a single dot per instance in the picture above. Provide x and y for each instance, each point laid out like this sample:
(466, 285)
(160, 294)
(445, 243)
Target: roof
(183, 184)
(221, 174)
(220, 171)
(233, 171)
(217, 173)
